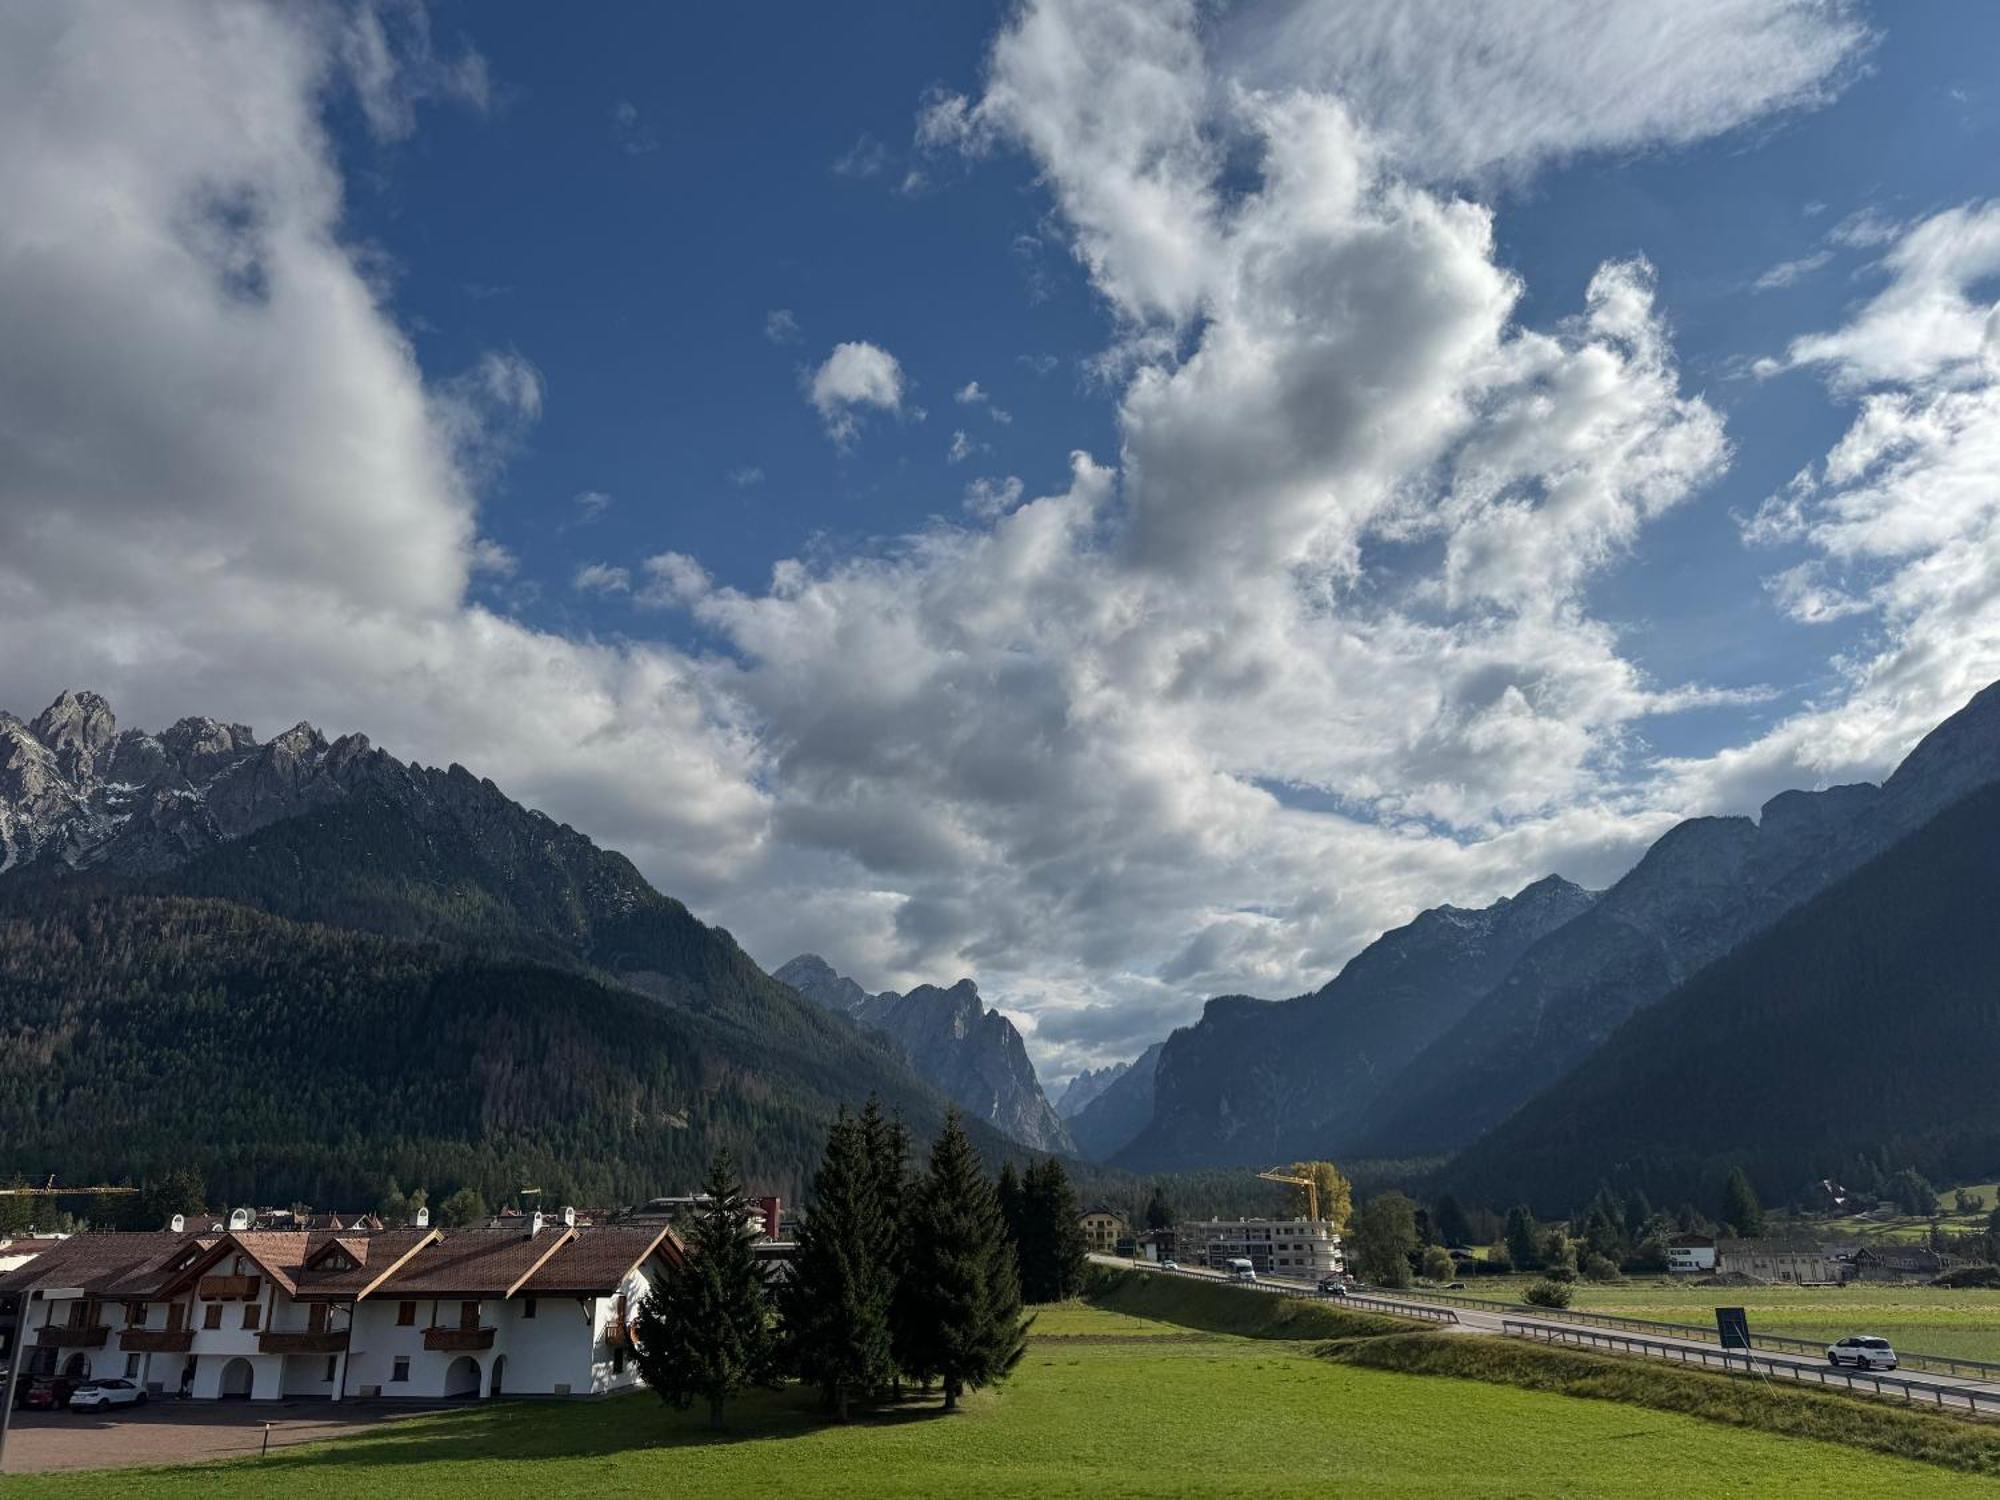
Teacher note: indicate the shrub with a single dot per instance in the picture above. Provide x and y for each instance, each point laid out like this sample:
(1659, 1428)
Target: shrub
(1548, 1293)
(1600, 1268)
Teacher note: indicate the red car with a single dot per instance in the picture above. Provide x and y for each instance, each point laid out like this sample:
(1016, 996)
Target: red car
(48, 1393)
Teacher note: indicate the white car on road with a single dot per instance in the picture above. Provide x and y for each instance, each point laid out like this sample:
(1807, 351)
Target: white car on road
(95, 1395)
(1862, 1353)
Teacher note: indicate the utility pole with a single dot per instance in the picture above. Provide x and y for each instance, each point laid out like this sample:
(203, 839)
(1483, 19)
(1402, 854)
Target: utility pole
(14, 1344)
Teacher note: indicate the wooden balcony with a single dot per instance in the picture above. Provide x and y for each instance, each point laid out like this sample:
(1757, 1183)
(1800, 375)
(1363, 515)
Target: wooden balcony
(457, 1340)
(619, 1335)
(302, 1341)
(229, 1288)
(156, 1340)
(62, 1337)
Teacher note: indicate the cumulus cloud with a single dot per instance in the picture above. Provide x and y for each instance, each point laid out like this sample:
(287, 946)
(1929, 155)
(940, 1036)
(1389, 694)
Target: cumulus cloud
(1308, 651)
(854, 378)
(971, 394)
(1899, 522)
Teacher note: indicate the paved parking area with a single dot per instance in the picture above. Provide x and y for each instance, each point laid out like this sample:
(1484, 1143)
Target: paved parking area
(180, 1432)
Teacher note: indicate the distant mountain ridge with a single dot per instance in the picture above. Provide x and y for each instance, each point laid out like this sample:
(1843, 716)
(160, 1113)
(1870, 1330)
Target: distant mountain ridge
(1258, 1080)
(974, 1055)
(1110, 1122)
(142, 839)
(1086, 1086)
(1866, 1021)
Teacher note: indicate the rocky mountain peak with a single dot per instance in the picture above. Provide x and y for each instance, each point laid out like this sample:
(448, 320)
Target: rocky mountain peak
(77, 725)
(974, 1055)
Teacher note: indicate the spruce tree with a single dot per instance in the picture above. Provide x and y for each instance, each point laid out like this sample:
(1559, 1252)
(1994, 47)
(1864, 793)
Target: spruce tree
(1523, 1238)
(1449, 1220)
(1740, 1207)
(964, 1300)
(1053, 1256)
(887, 1143)
(1159, 1212)
(1012, 1197)
(837, 1301)
(706, 1330)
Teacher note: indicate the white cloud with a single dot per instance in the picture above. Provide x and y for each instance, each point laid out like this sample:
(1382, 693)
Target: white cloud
(856, 376)
(1458, 91)
(745, 476)
(780, 327)
(1899, 522)
(590, 505)
(961, 448)
(970, 394)
(393, 65)
(990, 498)
(1169, 725)
(1788, 272)
(602, 578)
(867, 157)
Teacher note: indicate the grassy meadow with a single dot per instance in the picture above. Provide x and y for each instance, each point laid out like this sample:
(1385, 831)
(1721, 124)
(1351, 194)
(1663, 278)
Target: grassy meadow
(1931, 1319)
(1107, 1402)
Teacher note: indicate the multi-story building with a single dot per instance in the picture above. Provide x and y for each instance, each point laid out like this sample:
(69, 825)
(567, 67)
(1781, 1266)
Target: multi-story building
(1103, 1230)
(1302, 1248)
(1690, 1254)
(1781, 1260)
(543, 1309)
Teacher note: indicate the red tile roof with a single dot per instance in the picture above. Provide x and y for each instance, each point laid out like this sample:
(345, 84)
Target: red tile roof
(473, 1263)
(104, 1265)
(597, 1261)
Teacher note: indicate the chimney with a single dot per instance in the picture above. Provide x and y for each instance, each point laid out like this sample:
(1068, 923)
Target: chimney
(423, 1220)
(569, 1217)
(241, 1218)
(534, 1223)
(177, 1224)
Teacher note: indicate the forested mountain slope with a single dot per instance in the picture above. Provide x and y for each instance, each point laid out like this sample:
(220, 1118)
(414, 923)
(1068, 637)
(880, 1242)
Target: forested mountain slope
(1868, 1018)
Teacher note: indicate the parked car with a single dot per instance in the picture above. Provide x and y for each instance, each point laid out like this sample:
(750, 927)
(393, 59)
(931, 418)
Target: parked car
(1170, 1265)
(1333, 1286)
(95, 1395)
(1862, 1353)
(47, 1393)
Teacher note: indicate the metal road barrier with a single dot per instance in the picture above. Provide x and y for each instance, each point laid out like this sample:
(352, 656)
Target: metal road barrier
(1936, 1364)
(1751, 1364)
(1314, 1294)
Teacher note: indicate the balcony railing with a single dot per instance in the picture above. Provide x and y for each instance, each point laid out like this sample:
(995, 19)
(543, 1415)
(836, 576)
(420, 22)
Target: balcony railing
(229, 1288)
(302, 1341)
(457, 1340)
(618, 1334)
(156, 1340)
(63, 1337)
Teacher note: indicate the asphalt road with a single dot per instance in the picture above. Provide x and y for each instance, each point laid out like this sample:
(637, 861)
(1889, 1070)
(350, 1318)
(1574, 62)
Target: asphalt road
(1949, 1392)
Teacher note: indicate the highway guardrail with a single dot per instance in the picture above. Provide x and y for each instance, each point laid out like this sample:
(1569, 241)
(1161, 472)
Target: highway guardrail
(1877, 1383)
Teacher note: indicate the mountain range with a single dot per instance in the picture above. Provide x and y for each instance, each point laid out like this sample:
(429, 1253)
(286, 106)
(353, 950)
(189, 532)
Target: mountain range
(1444, 1028)
(292, 962)
(952, 1040)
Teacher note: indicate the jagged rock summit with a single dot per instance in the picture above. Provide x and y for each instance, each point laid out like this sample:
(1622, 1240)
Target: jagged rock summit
(974, 1055)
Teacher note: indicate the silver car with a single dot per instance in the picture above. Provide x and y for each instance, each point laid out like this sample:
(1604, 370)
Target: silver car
(95, 1395)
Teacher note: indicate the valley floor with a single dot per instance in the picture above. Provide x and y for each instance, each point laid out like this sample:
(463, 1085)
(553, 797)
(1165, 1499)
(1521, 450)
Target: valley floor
(1103, 1404)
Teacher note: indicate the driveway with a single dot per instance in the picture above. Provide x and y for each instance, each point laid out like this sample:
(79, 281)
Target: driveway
(180, 1432)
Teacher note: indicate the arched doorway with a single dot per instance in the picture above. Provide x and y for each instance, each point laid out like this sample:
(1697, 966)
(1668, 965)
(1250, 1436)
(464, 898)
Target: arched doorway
(237, 1379)
(76, 1367)
(499, 1370)
(462, 1379)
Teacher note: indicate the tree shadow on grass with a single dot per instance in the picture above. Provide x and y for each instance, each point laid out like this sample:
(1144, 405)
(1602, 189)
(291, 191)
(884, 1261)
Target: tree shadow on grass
(594, 1429)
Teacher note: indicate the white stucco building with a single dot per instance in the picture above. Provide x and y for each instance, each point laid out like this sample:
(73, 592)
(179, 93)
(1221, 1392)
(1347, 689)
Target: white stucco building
(542, 1309)
(1304, 1249)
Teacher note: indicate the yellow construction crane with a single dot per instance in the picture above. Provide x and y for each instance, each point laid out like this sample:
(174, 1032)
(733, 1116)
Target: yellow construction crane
(1311, 1187)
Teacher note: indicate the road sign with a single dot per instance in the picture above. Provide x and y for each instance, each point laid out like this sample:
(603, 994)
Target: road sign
(1732, 1326)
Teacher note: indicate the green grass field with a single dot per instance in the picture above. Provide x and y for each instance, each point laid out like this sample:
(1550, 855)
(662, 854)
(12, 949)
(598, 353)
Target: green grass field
(1933, 1320)
(1105, 1403)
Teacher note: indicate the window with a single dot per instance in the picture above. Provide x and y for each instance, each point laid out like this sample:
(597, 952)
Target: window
(332, 1367)
(176, 1316)
(135, 1315)
(211, 1316)
(131, 1367)
(316, 1318)
(528, 1308)
(251, 1313)
(401, 1370)
(618, 1360)
(406, 1314)
(468, 1315)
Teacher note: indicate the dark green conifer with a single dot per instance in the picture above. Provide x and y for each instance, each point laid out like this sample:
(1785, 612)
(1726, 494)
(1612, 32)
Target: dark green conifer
(964, 1301)
(837, 1301)
(706, 1331)
(1052, 1252)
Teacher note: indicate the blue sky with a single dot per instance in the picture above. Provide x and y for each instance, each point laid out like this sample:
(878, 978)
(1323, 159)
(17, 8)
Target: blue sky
(1379, 486)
